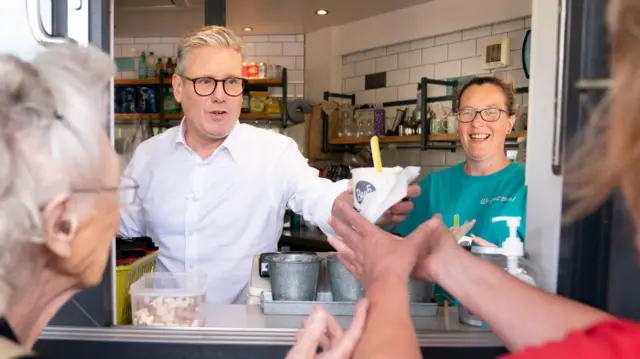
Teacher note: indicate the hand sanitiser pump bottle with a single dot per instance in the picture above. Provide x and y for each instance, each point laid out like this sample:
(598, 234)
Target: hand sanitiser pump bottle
(509, 256)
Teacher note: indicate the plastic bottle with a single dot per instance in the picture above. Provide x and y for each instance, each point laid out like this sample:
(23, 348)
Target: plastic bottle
(159, 68)
(152, 101)
(151, 65)
(170, 66)
(142, 66)
(513, 249)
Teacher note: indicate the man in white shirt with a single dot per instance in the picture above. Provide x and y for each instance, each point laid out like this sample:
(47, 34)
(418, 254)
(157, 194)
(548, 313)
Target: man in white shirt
(213, 192)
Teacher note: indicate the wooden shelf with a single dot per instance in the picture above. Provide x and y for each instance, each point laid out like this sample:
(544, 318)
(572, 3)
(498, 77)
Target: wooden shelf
(412, 139)
(260, 116)
(179, 116)
(137, 116)
(133, 82)
(265, 82)
(252, 82)
(365, 140)
(174, 116)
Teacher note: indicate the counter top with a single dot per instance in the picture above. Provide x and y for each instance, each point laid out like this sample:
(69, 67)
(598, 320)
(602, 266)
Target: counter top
(245, 324)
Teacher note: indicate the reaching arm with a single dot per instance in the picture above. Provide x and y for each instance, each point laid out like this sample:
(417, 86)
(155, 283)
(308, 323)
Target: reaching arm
(519, 314)
(307, 194)
(389, 331)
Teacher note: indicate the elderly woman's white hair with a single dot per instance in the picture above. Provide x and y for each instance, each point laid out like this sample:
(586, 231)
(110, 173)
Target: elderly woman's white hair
(52, 112)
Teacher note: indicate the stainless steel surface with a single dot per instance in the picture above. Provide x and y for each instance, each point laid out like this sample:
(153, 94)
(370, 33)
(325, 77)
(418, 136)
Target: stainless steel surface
(420, 292)
(240, 324)
(294, 276)
(276, 307)
(344, 286)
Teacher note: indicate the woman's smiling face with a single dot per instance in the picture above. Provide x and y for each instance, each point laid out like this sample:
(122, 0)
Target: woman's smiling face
(483, 134)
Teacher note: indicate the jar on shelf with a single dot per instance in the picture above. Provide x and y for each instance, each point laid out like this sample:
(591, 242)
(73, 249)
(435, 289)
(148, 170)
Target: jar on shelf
(345, 125)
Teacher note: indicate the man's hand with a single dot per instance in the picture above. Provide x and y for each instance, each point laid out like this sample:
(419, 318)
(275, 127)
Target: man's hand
(398, 212)
(395, 215)
(370, 253)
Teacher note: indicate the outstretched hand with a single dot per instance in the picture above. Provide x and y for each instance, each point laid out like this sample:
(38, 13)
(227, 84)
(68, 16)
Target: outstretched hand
(370, 253)
(322, 330)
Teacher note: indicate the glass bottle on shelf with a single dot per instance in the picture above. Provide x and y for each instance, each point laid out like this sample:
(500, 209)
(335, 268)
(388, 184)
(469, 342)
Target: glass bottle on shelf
(159, 68)
(345, 120)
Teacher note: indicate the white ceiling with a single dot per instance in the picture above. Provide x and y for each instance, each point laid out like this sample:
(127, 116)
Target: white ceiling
(298, 16)
(275, 16)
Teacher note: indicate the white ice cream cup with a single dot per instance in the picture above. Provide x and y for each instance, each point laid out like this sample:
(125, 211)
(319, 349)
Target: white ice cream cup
(375, 192)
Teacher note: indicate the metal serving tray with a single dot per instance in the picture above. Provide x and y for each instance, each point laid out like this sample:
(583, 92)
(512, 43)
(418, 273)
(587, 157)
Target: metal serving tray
(325, 299)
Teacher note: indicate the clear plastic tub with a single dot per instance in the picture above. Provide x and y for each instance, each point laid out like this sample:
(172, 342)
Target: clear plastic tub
(169, 299)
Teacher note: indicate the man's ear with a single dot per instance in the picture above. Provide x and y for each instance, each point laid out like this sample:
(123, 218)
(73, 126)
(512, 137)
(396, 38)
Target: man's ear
(176, 83)
(60, 226)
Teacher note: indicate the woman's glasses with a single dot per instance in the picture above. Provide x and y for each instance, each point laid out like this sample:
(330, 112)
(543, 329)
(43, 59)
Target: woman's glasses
(488, 114)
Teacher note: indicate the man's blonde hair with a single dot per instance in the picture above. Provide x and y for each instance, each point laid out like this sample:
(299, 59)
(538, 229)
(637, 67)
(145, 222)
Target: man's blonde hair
(207, 36)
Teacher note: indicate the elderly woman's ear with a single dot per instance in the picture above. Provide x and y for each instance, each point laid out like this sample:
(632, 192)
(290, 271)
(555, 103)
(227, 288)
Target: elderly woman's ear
(60, 226)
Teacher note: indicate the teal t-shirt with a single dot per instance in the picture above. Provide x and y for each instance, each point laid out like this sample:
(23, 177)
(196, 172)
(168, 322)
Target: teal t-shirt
(452, 191)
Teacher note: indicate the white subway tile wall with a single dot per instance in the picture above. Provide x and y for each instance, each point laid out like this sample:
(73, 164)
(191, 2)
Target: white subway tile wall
(440, 57)
(284, 50)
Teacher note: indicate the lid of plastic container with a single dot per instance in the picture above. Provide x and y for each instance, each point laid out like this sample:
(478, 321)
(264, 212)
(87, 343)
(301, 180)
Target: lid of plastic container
(170, 284)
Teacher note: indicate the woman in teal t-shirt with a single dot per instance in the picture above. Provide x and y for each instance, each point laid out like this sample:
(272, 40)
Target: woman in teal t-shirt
(487, 184)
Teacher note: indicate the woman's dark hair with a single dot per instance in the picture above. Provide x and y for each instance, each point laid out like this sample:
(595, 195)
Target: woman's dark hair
(507, 90)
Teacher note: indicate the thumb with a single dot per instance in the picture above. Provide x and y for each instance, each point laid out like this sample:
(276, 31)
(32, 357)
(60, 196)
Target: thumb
(425, 233)
(428, 228)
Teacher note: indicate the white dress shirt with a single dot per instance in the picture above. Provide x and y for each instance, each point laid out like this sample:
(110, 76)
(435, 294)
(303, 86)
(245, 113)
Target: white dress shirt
(214, 215)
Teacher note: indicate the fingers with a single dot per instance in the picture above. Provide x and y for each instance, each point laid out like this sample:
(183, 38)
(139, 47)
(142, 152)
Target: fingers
(429, 227)
(322, 343)
(334, 332)
(481, 242)
(389, 219)
(307, 346)
(350, 237)
(351, 265)
(413, 191)
(401, 208)
(324, 340)
(352, 217)
(429, 232)
(340, 246)
(350, 339)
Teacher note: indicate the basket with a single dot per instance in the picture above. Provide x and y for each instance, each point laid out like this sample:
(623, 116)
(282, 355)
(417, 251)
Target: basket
(127, 275)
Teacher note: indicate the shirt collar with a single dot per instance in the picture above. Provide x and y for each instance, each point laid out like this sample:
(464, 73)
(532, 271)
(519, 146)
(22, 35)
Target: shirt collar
(232, 143)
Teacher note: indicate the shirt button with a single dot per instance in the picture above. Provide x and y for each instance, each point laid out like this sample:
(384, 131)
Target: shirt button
(191, 266)
(191, 234)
